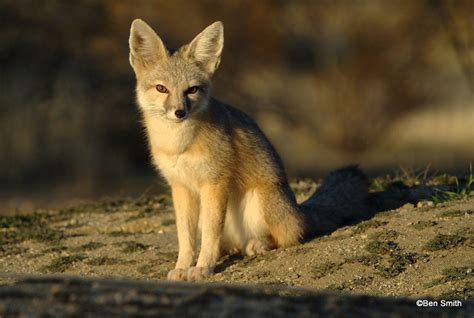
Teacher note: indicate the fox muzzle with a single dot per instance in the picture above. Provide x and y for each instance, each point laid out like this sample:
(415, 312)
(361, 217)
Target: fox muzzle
(180, 113)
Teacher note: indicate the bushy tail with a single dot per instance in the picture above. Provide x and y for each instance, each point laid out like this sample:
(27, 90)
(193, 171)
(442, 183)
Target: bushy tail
(342, 199)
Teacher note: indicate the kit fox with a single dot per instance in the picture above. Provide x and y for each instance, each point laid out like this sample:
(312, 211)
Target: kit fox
(226, 178)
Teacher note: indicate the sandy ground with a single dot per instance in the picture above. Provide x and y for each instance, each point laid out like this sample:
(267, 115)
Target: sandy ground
(415, 250)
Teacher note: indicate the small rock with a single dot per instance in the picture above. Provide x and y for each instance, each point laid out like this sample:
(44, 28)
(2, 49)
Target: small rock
(407, 206)
(424, 203)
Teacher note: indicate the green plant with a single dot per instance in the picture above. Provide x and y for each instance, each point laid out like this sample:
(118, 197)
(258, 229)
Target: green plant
(460, 192)
(63, 263)
(444, 242)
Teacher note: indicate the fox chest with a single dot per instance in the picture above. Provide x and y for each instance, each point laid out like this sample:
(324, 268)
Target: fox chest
(174, 153)
(187, 169)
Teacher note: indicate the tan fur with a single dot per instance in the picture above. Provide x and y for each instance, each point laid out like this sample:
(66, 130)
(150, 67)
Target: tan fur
(224, 173)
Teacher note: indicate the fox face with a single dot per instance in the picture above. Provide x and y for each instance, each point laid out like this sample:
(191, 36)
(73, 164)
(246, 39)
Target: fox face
(174, 86)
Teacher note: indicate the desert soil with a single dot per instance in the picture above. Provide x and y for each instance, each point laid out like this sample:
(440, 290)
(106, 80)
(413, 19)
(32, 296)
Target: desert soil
(421, 249)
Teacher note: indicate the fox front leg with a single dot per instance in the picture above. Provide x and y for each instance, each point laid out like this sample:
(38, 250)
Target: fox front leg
(213, 209)
(186, 205)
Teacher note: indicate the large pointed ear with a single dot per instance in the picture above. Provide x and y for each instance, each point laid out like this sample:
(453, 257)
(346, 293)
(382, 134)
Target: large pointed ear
(146, 47)
(206, 48)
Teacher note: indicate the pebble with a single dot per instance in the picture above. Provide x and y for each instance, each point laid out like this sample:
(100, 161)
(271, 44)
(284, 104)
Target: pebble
(424, 203)
(407, 206)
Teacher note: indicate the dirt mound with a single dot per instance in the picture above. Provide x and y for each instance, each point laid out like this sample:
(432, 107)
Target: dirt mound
(77, 296)
(416, 250)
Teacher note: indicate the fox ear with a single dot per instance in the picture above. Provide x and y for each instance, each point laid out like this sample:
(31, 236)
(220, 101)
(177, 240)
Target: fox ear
(206, 47)
(146, 47)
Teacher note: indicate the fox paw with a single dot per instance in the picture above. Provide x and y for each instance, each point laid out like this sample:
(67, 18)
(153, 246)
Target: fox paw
(199, 273)
(178, 274)
(255, 247)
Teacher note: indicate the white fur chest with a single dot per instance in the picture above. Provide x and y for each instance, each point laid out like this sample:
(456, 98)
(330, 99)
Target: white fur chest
(169, 137)
(187, 169)
(173, 153)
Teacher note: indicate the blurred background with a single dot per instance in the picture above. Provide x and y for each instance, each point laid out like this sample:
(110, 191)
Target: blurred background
(386, 84)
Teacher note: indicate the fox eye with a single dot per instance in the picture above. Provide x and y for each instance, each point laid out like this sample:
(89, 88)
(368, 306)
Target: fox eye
(161, 89)
(192, 90)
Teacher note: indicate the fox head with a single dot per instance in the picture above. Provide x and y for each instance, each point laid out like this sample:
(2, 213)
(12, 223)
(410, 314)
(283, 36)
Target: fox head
(174, 86)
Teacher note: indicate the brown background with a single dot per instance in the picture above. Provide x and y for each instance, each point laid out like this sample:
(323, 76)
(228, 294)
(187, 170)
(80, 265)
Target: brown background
(381, 83)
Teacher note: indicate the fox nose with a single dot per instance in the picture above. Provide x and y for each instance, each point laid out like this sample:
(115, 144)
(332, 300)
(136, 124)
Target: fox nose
(180, 113)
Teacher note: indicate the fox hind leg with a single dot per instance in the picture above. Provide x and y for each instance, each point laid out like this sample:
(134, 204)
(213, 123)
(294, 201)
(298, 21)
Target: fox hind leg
(258, 246)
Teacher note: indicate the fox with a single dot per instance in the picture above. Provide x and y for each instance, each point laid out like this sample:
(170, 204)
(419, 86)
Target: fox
(228, 184)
